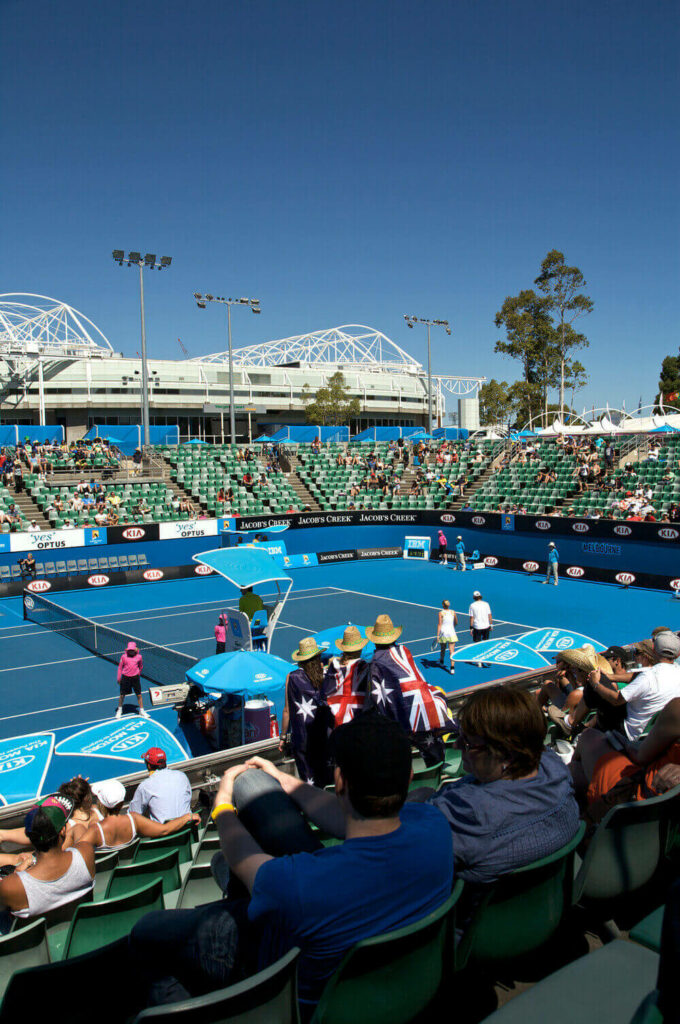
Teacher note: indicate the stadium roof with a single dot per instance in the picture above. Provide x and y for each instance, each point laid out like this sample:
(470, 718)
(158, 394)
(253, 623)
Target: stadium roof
(352, 346)
(38, 326)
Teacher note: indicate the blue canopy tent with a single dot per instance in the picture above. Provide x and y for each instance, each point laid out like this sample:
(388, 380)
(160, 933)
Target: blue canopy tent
(231, 681)
(247, 566)
(665, 429)
(451, 433)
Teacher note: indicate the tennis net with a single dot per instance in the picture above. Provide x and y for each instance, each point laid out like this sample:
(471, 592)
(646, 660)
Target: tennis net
(162, 665)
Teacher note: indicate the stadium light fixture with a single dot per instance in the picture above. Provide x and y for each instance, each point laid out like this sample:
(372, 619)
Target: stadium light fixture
(254, 304)
(149, 261)
(411, 321)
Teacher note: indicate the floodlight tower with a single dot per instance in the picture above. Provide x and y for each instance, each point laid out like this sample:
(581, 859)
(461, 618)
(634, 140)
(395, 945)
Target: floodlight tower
(254, 304)
(410, 322)
(148, 261)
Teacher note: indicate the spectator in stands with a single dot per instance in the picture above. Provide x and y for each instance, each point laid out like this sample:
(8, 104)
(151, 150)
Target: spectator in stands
(307, 716)
(346, 677)
(130, 669)
(79, 791)
(221, 634)
(654, 687)
(643, 768)
(553, 564)
(569, 713)
(27, 566)
(18, 477)
(116, 831)
(166, 794)
(247, 481)
(399, 691)
(56, 876)
(322, 900)
(137, 461)
(249, 602)
(516, 801)
(447, 621)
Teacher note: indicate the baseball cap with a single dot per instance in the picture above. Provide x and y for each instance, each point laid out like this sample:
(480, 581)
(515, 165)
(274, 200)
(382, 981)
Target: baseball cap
(109, 792)
(476, 594)
(46, 819)
(374, 755)
(616, 653)
(666, 645)
(155, 757)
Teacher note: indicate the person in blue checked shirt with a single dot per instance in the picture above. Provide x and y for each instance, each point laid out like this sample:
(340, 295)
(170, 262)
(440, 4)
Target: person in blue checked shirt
(460, 553)
(553, 563)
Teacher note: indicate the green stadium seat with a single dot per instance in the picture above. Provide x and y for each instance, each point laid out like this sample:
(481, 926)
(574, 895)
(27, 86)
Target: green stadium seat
(95, 924)
(129, 877)
(198, 887)
(425, 775)
(21, 948)
(520, 912)
(603, 987)
(648, 931)
(392, 978)
(181, 841)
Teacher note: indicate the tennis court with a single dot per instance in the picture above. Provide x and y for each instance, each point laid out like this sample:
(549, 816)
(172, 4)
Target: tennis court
(48, 682)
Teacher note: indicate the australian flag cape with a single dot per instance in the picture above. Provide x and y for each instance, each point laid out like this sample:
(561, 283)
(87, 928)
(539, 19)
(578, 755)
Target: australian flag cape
(398, 689)
(345, 687)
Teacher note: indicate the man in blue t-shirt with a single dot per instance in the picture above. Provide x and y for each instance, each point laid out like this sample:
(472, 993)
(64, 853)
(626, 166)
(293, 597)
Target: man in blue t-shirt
(553, 563)
(323, 900)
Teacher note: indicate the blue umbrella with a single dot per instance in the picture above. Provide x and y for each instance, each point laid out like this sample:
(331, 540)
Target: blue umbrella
(248, 674)
(327, 637)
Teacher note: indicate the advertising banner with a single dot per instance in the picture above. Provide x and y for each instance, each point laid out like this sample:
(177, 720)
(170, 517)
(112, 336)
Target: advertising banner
(336, 556)
(379, 552)
(553, 640)
(95, 535)
(297, 561)
(24, 761)
(187, 528)
(46, 540)
(120, 740)
(501, 652)
(132, 534)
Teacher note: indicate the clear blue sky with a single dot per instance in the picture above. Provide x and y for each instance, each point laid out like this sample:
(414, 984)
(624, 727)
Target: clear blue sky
(347, 162)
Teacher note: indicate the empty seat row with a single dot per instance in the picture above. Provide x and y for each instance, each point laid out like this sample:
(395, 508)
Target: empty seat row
(79, 567)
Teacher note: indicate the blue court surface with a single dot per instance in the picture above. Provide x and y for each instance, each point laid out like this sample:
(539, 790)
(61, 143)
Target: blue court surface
(50, 684)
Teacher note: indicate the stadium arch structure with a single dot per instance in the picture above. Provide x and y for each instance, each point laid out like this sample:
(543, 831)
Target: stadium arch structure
(57, 366)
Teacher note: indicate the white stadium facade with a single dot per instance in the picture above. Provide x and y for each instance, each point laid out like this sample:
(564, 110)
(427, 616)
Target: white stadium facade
(56, 366)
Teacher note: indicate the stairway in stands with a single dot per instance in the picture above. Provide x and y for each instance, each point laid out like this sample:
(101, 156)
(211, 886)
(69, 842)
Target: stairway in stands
(30, 510)
(304, 495)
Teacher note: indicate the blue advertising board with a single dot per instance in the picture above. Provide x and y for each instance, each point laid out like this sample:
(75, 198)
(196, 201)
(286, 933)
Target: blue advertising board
(553, 640)
(124, 739)
(501, 652)
(24, 761)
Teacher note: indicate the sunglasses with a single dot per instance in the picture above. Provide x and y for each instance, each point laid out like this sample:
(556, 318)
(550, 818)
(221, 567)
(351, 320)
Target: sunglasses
(464, 744)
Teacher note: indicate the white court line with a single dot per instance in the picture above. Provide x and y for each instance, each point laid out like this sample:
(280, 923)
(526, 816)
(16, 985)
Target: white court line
(432, 607)
(206, 604)
(63, 707)
(44, 664)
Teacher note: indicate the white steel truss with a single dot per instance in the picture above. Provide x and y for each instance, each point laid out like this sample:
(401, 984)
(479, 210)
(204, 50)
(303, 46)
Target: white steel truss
(32, 325)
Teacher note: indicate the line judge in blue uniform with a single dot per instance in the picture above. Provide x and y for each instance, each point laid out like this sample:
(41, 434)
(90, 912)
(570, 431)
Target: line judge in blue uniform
(553, 563)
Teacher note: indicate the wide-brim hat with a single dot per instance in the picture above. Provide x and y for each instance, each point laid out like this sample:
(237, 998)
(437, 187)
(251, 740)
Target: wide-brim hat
(384, 631)
(585, 659)
(352, 640)
(646, 647)
(307, 649)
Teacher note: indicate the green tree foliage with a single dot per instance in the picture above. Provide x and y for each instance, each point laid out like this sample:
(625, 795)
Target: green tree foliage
(329, 406)
(561, 285)
(669, 382)
(530, 338)
(495, 404)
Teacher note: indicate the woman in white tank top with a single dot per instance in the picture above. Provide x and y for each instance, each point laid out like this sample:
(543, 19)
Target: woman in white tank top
(115, 831)
(446, 633)
(57, 876)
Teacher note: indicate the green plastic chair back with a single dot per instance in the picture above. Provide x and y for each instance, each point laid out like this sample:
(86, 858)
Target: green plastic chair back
(25, 947)
(129, 877)
(104, 866)
(423, 776)
(391, 978)
(180, 841)
(198, 887)
(521, 910)
(95, 924)
(648, 931)
(269, 997)
(648, 1011)
(627, 848)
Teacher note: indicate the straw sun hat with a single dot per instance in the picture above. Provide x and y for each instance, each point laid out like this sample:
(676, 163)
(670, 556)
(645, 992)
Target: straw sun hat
(585, 659)
(384, 631)
(308, 648)
(352, 640)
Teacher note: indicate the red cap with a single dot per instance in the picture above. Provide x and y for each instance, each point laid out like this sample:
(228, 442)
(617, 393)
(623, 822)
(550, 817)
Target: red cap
(155, 757)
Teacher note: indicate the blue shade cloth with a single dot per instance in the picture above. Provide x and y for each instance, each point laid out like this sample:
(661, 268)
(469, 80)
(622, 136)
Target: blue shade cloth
(552, 640)
(326, 638)
(326, 901)
(247, 674)
(501, 652)
(244, 566)
(24, 761)
(503, 825)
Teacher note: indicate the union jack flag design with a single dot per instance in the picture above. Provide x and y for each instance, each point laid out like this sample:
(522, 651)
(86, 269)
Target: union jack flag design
(399, 690)
(345, 688)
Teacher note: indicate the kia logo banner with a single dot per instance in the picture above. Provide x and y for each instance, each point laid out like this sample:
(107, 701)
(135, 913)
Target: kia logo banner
(580, 527)
(625, 577)
(668, 533)
(575, 572)
(530, 566)
(447, 518)
(478, 520)
(490, 561)
(98, 581)
(39, 586)
(542, 524)
(132, 534)
(153, 575)
(623, 531)
(203, 570)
